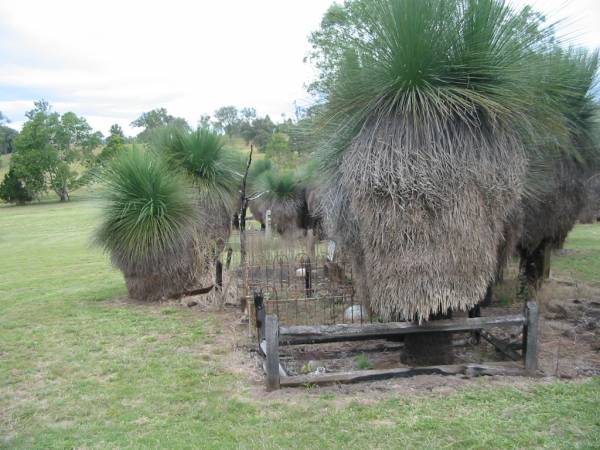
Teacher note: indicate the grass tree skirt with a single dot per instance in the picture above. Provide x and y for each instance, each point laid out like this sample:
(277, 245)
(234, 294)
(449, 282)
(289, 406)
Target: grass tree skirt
(548, 216)
(591, 209)
(431, 211)
(359, 280)
(159, 285)
(168, 275)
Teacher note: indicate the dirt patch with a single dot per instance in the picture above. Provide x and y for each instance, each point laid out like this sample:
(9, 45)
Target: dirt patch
(569, 349)
(570, 330)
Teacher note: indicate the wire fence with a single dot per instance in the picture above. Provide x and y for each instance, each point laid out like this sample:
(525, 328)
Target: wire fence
(304, 291)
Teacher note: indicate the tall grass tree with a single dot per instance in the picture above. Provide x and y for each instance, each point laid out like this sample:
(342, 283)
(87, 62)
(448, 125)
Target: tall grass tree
(430, 108)
(560, 169)
(213, 170)
(147, 226)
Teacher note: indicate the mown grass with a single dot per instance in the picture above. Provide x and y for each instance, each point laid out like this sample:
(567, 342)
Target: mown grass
(582, 259)
(81, 370)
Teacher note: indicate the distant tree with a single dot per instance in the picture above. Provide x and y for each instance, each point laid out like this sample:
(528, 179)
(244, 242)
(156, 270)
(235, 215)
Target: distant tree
(13, 190)
(41, 106)
(247, 131)
(116, 131)
(278, 147)
(226, 120)
(180, 123)
(342, 26)
(7, 135)
(204, 121)
(155, 119)
(263, 130)
(258, 131)
(245, 128)
(115, 143)
(248, 114)
(48, 149)
(7, 138)
(303, 138)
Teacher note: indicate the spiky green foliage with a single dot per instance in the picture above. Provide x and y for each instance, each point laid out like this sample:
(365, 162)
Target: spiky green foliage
(147, 224)
(279, 185)
(436, 63)
(283, 196)
(257, 168)
(557, 176)
(201, 153)
(430, 108)
(213, 170)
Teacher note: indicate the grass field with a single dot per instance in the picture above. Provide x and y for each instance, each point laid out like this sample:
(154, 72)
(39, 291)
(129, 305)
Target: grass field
(582, 261)
(79, 369)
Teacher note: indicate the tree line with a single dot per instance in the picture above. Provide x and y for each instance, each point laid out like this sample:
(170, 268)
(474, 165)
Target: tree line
(285, 142)
(60, 153)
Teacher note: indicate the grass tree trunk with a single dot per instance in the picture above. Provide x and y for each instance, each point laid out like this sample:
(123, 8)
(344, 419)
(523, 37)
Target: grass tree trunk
(359, 281)
(429, 349)
(534, 267)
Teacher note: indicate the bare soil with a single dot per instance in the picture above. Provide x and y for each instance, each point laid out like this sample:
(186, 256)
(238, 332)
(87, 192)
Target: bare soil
(569, 349)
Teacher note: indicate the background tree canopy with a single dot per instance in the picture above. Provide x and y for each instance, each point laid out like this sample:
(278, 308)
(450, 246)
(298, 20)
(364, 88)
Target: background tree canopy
(50, 149)
(155, 119)
(7, 135)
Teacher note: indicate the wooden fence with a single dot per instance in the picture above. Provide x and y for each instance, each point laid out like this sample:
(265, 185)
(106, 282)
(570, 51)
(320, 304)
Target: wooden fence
(272, 336)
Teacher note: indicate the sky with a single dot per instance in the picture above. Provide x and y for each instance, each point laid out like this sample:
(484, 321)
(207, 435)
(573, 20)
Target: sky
(109, 60)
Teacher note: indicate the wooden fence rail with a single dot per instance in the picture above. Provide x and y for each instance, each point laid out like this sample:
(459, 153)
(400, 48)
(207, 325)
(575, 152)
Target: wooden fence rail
(275, 335)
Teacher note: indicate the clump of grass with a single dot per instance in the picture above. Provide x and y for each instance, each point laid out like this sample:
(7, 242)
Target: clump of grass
(362, 362)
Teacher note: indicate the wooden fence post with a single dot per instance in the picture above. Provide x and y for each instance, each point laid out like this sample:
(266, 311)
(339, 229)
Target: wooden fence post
(272, 338)
(268, 224)
(219, 276)
(259, 310)
(228, 260)
(530, 335)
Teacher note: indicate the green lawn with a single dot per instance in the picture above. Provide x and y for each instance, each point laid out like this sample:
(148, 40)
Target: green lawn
(582, 261)
(79, 369)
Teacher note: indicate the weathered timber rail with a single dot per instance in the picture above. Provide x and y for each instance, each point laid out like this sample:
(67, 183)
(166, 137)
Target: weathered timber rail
(271, 336)
(355, 376)
(296, 335)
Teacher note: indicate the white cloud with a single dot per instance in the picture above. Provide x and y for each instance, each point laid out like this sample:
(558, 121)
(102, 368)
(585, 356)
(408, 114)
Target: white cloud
(117, 59)
(576, 20)
(112, 60)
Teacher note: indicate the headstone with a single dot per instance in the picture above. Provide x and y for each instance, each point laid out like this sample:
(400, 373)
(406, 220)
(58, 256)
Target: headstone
(331, 251)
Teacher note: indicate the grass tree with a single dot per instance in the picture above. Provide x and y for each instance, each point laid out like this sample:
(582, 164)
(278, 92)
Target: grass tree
(282, 194)
(591, 211)
(428, 108)
(168, 211)
(148, 225)
(257, 205)
(212, 169)
(560, 168)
